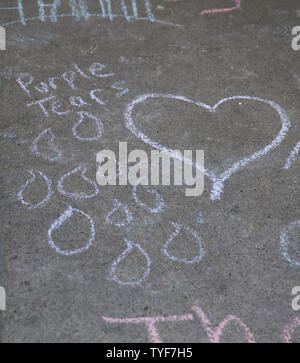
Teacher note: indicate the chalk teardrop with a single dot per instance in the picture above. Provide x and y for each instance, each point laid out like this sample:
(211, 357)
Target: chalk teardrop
(30, 181)
(81, 170)
(95, 120)
(53, 153)
(160, 204)
(122, 208)
(198, 240)
(56, 225)
(130, 249)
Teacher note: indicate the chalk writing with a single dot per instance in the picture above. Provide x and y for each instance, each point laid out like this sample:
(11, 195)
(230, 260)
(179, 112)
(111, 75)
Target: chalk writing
(290, 329)
(214, 335)
(218, 181)
(150, 323)
(120, 86)
(285, 243)
(53, 153)
(178, 229)
(130, 248)
(292, 158)
(224, 10)
(82, 169)
(119, 207)
(58, 105)
(63, 219)
(160, 204)
(69, 77)
(31, 181)
(79, 10)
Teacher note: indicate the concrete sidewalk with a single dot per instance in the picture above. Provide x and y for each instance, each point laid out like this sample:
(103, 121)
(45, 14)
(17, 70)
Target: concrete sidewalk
(80, 261)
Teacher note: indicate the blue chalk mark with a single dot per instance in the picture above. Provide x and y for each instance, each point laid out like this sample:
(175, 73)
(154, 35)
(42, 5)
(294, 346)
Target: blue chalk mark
(79, 10)
(201, 219)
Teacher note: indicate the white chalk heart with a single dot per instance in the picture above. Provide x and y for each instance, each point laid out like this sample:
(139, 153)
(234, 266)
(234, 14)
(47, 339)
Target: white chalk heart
(218, 181)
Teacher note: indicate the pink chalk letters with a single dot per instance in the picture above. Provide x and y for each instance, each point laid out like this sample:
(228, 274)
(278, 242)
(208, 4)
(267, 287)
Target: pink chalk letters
(214, 334)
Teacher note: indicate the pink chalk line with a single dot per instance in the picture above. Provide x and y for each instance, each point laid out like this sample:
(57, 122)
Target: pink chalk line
(215, 335)
(289, 330)
(150, 323)
(215, 11)
(225, 10)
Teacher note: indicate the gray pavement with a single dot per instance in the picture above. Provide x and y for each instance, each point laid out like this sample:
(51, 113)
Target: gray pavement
(250, 236)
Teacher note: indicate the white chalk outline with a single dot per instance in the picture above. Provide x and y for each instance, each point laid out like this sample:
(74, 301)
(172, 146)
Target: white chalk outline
(32, 180)
(218, 182)
(34, 147)
(285, 243)
(293, 156)
(118, 205)
(178, 228)
(77, 196)
(124, 254)
(98, 122)
(160, 205)
(58, 223)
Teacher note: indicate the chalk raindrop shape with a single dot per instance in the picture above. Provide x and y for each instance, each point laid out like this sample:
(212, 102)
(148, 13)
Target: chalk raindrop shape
(99, 126)
(30, 181)
(113, 271)
(178, 229)
(159, 201)
(68, 214)
(81, 169)
(122, 208)
(46, 135)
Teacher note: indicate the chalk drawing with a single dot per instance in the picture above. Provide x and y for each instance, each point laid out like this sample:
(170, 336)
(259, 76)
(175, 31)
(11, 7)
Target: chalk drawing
(96, 70)
(24, 80)
(53, 10)
(50, 137)
(289, 330)
(78, 101)
(81, 169)
(292, 158)
(69, 77)
(31, 181)
(201, 219)
(225, 10)
(215, 335)
(43, 88)
(150, 323)
(122, 257)
(95, 98)
(159, 205)
(40, 103)
(218, 181)
(81, 72)
(80, 10)
(118, 206)
(83, 115)
(178, 229)
(60, 221)
(285, 243)
(56, 105)
(120, 86)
